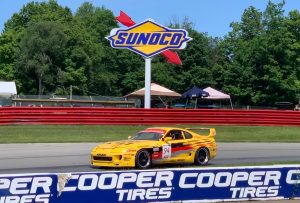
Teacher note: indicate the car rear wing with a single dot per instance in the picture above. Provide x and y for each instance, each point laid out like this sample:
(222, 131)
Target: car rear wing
(212, 131)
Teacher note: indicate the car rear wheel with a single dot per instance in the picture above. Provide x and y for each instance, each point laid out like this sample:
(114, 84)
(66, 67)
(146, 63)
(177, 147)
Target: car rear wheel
(202, 156)
(143, 159)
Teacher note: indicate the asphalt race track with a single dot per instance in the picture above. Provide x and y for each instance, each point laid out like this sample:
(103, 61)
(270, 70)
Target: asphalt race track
(59, 158)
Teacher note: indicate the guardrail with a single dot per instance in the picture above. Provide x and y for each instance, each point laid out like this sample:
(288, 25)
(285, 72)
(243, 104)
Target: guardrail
(135, 116)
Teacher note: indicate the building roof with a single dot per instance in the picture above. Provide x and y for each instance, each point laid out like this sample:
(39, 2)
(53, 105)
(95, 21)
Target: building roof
(8, 88)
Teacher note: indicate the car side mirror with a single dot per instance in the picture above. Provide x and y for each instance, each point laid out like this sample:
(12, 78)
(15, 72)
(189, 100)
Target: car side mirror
(166, 139)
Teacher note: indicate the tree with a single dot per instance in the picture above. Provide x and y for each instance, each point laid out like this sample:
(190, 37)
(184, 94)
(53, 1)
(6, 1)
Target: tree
(7, 55)
(38, 11)
(103, 71)
(251, 23)
(98, 21)
(292, 24)
(41, 51)
(13, 33)
(257, 56)
(198, 60)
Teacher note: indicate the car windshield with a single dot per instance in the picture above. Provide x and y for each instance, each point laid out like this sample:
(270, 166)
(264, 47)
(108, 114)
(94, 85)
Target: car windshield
(147, 136)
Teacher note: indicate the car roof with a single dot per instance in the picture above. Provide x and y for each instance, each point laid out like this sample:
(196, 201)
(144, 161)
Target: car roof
(165, 128)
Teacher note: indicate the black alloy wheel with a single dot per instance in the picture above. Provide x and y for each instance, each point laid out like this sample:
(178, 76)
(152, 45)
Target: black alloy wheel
(202, 156)
(143, 159)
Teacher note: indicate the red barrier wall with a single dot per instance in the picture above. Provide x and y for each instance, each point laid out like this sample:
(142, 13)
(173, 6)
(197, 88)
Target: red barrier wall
(134, 116)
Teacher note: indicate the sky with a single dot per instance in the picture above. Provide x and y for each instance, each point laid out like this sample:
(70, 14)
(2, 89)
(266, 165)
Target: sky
(209, 16)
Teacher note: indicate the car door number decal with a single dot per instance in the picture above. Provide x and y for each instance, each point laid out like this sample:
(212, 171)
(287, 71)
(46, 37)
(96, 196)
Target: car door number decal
(166, 151)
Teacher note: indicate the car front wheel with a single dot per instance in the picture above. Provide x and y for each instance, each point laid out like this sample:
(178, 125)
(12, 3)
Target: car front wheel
(143, 159)
(202, 156)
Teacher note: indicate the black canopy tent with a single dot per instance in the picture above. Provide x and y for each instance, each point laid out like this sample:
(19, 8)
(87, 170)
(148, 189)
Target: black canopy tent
(194, 92)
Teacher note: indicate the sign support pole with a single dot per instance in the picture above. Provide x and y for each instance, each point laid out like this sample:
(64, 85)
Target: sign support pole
(147, 102)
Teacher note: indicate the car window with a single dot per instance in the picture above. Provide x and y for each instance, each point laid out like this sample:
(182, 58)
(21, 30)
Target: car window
(147, 136)
(187, 135)
(175, 134)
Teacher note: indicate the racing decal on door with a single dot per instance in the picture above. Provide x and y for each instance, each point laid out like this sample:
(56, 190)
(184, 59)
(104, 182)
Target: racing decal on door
(166, 151)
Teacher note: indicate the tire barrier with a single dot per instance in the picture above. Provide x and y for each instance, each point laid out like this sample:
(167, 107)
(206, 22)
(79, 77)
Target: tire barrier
(137, 116)
(158, 185)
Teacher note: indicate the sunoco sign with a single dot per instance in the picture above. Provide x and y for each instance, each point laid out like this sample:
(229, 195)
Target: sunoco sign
(148, 38)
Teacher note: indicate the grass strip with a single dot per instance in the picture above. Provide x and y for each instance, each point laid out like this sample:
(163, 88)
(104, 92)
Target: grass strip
(101, 133)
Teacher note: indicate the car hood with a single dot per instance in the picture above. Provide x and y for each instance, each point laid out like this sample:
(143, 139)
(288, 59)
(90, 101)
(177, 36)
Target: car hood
(127, 144)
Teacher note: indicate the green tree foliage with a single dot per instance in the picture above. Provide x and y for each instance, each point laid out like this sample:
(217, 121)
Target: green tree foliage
(198, 59)
(259, 60)
(47, 49)
(293, 50)
(107, 67)
(14, 31)
(7, 55)
(42, 52)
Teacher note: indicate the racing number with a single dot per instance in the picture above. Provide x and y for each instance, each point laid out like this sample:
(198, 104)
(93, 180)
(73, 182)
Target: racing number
(166, 151)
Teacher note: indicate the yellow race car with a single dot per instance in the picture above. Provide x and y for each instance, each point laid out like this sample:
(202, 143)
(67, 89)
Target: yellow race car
(158, 145)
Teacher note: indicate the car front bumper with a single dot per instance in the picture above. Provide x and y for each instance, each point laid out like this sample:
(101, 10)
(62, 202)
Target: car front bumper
(112, 160)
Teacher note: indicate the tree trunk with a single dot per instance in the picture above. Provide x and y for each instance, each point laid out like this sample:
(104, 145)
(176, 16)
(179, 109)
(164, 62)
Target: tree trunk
(40, 87)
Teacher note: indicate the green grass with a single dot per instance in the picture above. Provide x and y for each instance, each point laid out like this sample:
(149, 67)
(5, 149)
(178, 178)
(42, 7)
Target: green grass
(100, 133)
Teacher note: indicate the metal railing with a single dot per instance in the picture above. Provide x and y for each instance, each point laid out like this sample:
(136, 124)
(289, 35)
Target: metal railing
(66, 101)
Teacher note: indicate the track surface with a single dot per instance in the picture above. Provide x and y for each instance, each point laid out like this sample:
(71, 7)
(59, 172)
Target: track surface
(56, 158)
